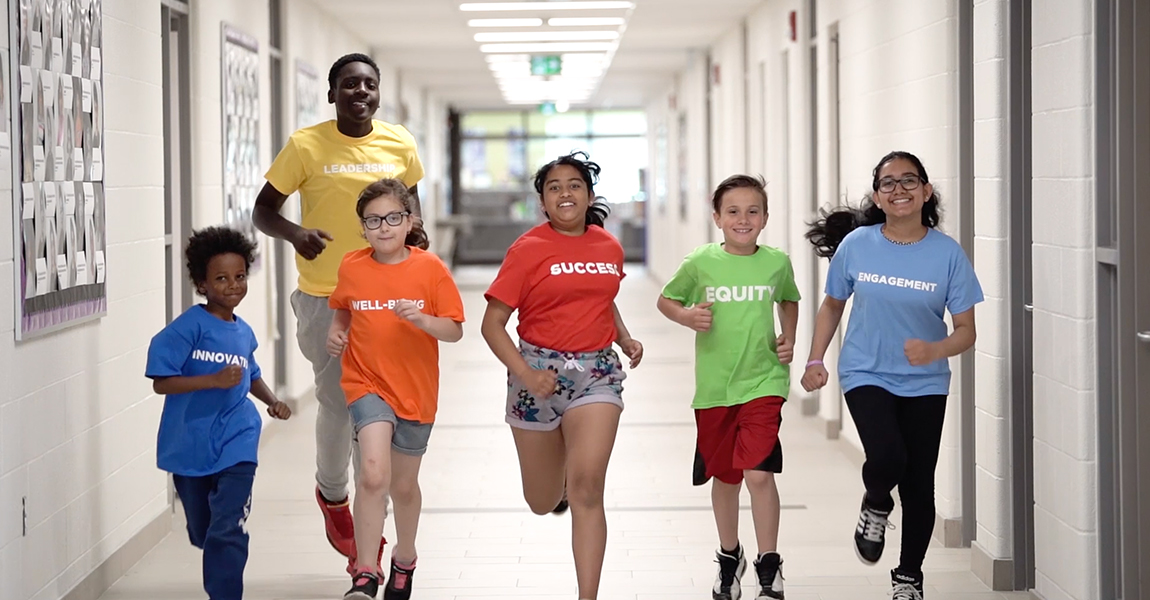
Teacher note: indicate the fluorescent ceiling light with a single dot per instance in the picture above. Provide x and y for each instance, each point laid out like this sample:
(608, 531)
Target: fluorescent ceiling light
(586, 21)
(500, 58)
(547, 36)
(505, 22)
(556, 47)
(511, 6)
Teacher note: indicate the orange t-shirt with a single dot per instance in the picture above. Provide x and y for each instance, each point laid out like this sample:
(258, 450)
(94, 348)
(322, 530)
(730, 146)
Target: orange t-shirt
(386, 355)
(563, 287)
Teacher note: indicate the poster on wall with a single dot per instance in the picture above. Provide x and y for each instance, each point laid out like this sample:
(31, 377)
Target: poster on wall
(52, 160)
(239, 91)
(309, 95)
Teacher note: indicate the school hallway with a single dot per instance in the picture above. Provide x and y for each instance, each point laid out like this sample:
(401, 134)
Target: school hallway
(478, 540)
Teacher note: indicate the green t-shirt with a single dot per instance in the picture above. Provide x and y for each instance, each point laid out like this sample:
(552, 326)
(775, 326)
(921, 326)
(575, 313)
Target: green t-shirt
(735, 361)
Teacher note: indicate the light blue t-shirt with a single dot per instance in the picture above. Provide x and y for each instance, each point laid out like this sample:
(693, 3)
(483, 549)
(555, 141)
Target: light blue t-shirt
(900, 293)
(205, 432)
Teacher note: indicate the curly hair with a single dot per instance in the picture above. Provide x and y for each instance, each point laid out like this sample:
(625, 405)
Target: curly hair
(396, 189)
(828, 231)
(598, 210)
(345, 60)
(739, 181)
(208, 243)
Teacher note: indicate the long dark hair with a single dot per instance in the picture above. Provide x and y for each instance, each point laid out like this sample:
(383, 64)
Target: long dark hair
(828, 231)
(396, 189)
(597, 211)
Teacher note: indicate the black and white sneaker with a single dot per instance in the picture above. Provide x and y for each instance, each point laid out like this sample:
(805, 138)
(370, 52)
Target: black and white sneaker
(769, 569)
(870, 533)
(731, 569)
(364, 586)
(562, 506)
(906, 586)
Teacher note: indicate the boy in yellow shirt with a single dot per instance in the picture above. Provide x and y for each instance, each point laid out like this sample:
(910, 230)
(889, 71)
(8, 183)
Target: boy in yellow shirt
(329, 164)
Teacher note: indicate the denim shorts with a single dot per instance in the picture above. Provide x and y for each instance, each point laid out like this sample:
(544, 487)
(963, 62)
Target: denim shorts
(584, 378)
(408, 437)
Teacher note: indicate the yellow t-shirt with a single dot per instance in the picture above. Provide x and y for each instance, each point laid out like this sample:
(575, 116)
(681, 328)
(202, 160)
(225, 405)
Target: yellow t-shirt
(330, 169)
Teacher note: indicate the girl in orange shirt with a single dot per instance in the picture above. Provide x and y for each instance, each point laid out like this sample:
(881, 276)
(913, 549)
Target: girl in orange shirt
(394, 302)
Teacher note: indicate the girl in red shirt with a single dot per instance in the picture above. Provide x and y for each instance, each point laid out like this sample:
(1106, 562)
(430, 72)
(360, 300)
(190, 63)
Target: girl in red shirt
(564, 378)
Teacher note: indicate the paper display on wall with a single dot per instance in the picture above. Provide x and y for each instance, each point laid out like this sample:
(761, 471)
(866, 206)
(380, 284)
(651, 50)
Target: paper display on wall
(308, 95)
(53, 144)
(240, 96)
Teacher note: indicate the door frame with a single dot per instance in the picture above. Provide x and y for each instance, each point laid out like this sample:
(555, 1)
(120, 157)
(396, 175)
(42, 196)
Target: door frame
(1020, 277)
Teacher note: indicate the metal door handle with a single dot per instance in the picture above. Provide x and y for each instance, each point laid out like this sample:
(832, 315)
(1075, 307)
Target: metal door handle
(1143, 336)
(1028, 307)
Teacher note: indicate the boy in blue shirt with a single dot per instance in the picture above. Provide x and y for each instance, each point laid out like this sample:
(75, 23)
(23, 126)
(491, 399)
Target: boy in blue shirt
(204, 362)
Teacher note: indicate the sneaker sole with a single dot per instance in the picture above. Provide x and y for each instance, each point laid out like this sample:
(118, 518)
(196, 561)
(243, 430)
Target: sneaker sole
(863, 559)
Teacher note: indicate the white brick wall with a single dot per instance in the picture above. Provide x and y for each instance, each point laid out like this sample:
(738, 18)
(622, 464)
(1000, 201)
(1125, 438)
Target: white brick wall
(1065, 467)
(991, 356)
(77, 419)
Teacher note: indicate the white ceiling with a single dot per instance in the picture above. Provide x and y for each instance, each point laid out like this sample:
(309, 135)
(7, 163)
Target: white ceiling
(431, 44)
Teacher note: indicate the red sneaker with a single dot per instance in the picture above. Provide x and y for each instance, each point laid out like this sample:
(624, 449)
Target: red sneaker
(338, 524)
(351, 560)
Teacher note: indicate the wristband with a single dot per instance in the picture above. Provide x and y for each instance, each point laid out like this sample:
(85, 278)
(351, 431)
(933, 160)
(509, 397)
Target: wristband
(813, 363)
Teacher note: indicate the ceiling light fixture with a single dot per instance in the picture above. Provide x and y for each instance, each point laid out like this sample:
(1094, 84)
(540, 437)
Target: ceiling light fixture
(505, 22)
(545, 47)
(515, 6)
(547, 36)
(586, 21)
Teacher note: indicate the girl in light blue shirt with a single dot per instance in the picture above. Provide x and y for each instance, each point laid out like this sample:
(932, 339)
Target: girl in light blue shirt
(904, 275)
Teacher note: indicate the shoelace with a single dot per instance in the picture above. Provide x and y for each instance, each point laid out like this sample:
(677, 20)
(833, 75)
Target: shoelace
(571, 363)
(905, 591)
(874, 525)
(728, 566)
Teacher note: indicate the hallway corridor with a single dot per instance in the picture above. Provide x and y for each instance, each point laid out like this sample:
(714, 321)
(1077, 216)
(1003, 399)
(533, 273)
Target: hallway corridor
(478, 540)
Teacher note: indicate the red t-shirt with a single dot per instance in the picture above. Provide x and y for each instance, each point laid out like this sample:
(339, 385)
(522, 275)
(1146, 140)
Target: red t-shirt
(563, 287)
(386, 355)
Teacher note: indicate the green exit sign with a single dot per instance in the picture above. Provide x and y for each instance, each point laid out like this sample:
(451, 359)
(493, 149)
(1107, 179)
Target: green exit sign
(546, 65)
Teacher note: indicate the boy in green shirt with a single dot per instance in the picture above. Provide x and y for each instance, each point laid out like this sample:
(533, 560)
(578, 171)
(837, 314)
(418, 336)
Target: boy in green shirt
(742, 374)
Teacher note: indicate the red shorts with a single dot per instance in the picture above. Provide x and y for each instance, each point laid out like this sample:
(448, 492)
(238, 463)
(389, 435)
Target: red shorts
(733, 439)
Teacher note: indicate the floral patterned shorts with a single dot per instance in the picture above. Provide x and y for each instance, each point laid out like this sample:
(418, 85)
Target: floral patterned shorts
(584, 378)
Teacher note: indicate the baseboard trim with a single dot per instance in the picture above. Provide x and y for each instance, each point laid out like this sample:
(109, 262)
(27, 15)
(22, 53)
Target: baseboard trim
(948, 531)
(996, 573)
(810, 406)
(122, 560)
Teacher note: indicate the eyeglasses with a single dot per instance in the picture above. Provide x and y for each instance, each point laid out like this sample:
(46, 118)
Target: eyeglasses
(908, 183)
(393, 219)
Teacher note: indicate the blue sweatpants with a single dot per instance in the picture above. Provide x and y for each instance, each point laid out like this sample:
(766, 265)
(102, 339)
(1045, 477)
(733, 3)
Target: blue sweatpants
(217, 507)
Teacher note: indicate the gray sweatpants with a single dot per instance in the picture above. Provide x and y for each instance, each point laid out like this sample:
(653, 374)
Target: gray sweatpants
(333, 428)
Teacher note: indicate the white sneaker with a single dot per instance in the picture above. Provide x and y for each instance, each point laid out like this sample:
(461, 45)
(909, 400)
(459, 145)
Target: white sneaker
(731, 569)
(769, 570)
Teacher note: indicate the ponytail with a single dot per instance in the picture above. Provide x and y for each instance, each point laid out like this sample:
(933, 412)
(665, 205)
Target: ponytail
(417, 237)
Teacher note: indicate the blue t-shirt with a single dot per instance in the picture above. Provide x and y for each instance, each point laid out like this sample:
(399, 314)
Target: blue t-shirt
(205, 432)
(900, 293)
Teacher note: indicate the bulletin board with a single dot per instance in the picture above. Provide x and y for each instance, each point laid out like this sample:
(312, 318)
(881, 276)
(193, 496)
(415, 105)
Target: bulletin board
(55, 168)
(240, 95)
(309, 95)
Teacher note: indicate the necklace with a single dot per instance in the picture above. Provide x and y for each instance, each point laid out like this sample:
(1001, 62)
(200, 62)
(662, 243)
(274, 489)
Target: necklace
(897, 242)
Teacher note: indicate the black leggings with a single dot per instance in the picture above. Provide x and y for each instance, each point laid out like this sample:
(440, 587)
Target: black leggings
(901, 436)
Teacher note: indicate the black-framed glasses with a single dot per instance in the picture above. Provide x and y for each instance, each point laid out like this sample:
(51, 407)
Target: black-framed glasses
(908, 183)
(394, 219)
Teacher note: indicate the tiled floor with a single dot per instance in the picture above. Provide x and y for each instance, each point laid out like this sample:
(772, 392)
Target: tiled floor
(477, 539)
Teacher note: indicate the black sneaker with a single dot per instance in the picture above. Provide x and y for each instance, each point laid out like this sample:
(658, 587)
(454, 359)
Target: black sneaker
(769, 568)
(731, 569)
(399, 583)
(906, 586)
(364, 586)
(870, 533)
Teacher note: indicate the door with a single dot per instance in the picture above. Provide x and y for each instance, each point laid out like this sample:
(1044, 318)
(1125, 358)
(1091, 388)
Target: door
(1123, 191)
